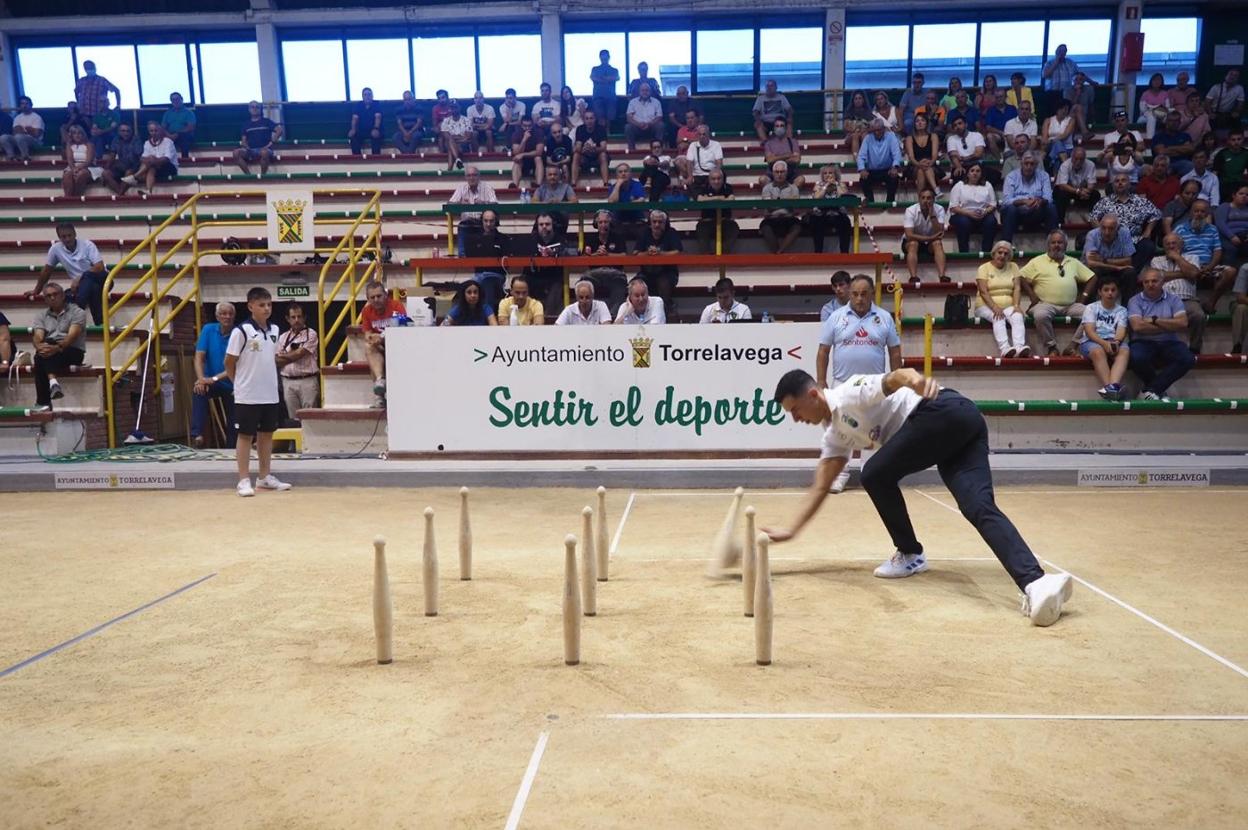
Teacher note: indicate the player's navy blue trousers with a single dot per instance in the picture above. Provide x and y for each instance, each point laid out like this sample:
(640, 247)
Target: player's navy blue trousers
(947, 432)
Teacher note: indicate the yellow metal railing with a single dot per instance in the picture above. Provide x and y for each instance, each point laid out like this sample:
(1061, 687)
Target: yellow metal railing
(151, 288)
(353, 278)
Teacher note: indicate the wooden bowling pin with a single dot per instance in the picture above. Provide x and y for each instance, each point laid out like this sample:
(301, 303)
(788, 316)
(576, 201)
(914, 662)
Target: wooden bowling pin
(747, 562)
(571, 604)
(429, 567)
(589, 566)
(465, 537)
(383, 609)
(601, 547)
(763, 602)
(725, 550)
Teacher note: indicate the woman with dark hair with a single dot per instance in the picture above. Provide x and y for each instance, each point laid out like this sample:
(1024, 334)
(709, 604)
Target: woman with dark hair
(922, 150)
(987, 97)
(469, 308)
(856, 119)
(573, 108)
(973, 207)
(1154, 104)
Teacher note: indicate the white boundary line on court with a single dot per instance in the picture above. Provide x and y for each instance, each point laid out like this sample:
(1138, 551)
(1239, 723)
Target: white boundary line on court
(619, 529)
(825, 559)
(1150, 620)
(522, 796)
(642, 716)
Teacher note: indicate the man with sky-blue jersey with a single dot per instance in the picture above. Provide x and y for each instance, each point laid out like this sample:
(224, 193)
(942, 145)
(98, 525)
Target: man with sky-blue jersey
(916, 425)
(865, 341)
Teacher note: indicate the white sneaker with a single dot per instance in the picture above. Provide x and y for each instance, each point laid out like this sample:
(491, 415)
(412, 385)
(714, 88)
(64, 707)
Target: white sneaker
(129, 179)
(840, 482)
(245, 489)
(902, 565)
(54, 390)
(1149, 396)
(1043, 598)
(379, 387)
(270, 482)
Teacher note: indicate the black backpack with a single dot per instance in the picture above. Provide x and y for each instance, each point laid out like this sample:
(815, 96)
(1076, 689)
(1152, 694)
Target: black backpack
(957, 310)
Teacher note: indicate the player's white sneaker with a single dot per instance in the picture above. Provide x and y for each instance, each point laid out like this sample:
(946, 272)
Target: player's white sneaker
(270, 482)
(840, 482)
(1043, 598)
(245, 489)
(902, 565)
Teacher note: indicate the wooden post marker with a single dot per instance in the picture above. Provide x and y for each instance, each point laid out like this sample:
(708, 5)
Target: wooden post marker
(383, 610)
(571, 604)
(589, 575)
(429, 567)
(726, 549)
(602, 548)
(747, 562)
(465, 537)
(763, 602)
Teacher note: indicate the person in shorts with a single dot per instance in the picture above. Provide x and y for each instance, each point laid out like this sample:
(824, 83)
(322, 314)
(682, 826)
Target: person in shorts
(251, 363)
(1105, 344)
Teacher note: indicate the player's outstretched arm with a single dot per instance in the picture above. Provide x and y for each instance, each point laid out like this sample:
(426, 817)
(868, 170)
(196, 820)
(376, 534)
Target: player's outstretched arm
(910, 379)
(825, 474)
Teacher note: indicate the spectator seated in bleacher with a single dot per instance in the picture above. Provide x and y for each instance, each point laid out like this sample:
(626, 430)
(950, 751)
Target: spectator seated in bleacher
(159, 161)
(1027, 199)
(557, 153)
(585, 310)
(527, 152)
(1179, 208)
(483, 119)
(259, 135)
(626, 190)
(886, 112)
(1137, 216)
(60, 338)
(1013, 159)
(1123, 158)
(590, 151)
(964, 147)
(73, 117)
(935, 114)
(179, 123)
(1226, 101)
(879, 161)
(574, 110)
(973, 209)
(1081, 96)
(781, 146)
(923, 229)
(26, 135)
(553, 191)
(1109, 252)
(994, 121)
(913, 98)
(472, 191)
(1158, 355)
(1181, 90)
(678, 109)
(660, 240)
(1158, 184)
(769, 106)
(964, 108)
(297, 349)
(519, 309)
(1104, 325)
(1179, 271)
(1122, 132)
(545, 242)
(365, 124)
(488, 243)
(103, 130)
(1239, 311)
(469, 308)
(998, 301)
(1052, 283)
(80, 167)
(380, 313)
(1075, 184)
(511, 113)
(840, 295)
(686, 135)
(856, 120)
(1195, 121)
(1059, 134)
(82, 262)
(822, 219)
(986, 98)
(546, 110)
(456, 132)
(641, 309)
(1231, 162)
(717, 188)
(7, 351)
(726, 308)
(1210, 188)
(1175, 143)
(780, 227)
(409, 125)
(949, 99)
(1231, 219)
(1024, 124)
(922, 154)
(643, 79)
(1203, 243)
(704, 156)
(1019, 92)
(1154, 104)
(644, 117)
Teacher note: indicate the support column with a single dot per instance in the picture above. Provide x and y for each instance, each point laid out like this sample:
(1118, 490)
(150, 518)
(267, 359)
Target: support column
(8, 73)
(833, 66)
(270, 69)
(552, 50)
(1129, 14)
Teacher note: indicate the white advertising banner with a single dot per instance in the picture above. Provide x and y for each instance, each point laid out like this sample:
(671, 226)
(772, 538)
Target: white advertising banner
(289, 215)
(601, 388)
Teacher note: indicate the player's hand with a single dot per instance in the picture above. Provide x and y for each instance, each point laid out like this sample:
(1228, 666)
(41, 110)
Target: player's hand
(778, 534)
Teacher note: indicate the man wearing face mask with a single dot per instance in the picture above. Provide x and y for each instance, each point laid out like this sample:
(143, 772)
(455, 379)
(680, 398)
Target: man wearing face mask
(781, 147)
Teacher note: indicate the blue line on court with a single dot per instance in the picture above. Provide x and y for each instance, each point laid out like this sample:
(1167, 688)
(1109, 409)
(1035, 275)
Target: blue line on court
(84, 635)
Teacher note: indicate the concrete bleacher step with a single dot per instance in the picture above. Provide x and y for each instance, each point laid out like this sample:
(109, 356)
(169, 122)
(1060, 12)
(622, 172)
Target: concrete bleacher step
(344, 430)
(83, 387)
(24, 432)
(95, 341)
(19, 309)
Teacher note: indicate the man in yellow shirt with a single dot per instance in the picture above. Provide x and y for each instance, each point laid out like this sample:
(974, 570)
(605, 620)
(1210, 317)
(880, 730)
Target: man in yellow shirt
(1057, 284)
(528, 311)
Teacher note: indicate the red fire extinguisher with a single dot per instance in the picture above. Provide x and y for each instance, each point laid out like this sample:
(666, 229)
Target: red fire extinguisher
(1132, 52)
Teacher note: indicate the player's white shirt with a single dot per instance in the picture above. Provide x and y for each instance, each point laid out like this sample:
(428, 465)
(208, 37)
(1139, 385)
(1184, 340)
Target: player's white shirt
(255, 374)
(863, 416)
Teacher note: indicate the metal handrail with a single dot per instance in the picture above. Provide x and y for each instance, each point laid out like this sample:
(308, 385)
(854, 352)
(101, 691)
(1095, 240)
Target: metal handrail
(371, 242)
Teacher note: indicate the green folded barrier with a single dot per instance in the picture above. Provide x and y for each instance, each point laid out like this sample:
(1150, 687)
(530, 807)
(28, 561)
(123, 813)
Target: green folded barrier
(1096, 406)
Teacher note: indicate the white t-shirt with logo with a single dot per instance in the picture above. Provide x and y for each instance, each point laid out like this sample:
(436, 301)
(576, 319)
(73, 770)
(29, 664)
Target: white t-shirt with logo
(255, 375)
(76, 262)
(863, 416)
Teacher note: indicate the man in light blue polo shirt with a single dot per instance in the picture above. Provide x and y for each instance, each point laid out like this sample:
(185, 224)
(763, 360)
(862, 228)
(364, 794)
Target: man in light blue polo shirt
(866, 342)
(211, 380)
(1158, 356)
(1027, 198)
(1108, 253)
(1203, 243)
(879, 160)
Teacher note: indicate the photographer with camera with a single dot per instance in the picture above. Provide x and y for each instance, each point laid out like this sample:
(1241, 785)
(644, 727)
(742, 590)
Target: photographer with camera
(296, 361)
